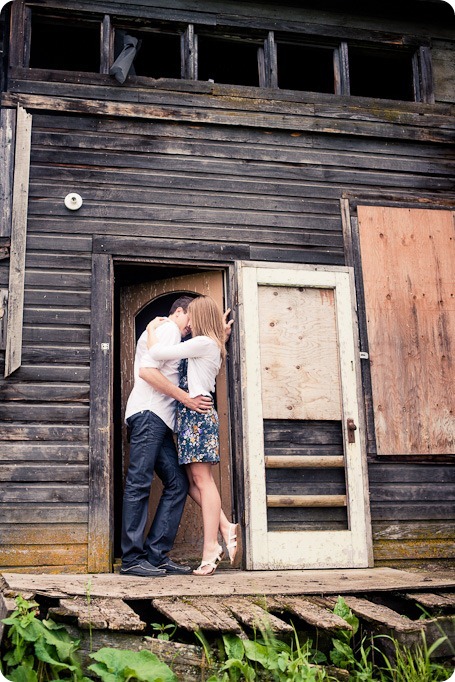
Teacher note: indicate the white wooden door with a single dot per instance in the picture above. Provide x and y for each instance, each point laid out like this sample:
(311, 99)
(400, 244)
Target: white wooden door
(305, 467)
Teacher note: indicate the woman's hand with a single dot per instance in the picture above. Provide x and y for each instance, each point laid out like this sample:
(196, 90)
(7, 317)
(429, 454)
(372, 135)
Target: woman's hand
(227, 325)
(156, 322)
(151, 336)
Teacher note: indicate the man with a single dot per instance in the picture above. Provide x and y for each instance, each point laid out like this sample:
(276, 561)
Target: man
(150, 414)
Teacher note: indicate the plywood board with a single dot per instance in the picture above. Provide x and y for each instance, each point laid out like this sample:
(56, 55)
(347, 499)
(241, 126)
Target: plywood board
(408, 267)
(299, 353)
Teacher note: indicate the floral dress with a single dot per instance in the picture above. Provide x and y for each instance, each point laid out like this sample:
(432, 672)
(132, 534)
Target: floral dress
(198, 439)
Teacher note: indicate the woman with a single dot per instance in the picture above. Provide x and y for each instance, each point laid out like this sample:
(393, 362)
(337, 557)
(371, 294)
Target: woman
(198, 438)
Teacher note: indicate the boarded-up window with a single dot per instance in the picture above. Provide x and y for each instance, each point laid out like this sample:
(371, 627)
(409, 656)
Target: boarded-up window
(408, 266)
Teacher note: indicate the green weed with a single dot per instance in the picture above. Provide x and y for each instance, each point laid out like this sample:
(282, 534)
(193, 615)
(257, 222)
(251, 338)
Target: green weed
(37, 651)
(160, 628)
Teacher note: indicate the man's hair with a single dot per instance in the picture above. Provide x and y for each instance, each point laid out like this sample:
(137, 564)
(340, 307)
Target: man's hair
(182, 302)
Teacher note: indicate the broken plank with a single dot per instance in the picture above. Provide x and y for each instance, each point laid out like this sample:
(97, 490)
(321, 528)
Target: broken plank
(99, 614)
(184, 614)
(254, 616)
(432, 601)
(219, 614)
(314, 614)
(378, 614)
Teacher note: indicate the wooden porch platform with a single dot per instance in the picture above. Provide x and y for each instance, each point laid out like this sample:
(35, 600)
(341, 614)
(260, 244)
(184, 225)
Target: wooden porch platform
(228, 583)
(113, 610)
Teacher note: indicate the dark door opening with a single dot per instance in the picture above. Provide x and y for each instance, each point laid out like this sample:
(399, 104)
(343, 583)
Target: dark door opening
(141, 293)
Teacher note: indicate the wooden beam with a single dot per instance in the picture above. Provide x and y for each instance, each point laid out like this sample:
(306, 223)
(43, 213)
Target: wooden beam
(377, 614)
(302, 462)
(432, 601)
(318, 616)
(106, 45)
(100, 463)
(188, 47)
(389, 121)
(254, 616)
(13, 354)
(306, 500)
(99, 613)
(185, 615)
(426, 75)
(7, 134)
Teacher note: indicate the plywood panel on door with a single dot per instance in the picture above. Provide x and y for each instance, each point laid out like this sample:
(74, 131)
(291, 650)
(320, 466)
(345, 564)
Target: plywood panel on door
(297, 327)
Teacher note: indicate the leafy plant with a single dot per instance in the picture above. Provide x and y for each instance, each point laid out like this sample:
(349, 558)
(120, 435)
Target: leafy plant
(371, 664)
(412, 665)
(270, 659)
(119, 665)
(38, 650)
(161, 629)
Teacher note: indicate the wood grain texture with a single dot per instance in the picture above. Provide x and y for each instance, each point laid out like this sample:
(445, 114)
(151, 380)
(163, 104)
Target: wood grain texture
(226, 583)
(14, 331)
(100, 500)
(297, 328)
(409, 276)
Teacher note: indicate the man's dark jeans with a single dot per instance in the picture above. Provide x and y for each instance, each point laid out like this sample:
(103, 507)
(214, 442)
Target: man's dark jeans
(151, 449)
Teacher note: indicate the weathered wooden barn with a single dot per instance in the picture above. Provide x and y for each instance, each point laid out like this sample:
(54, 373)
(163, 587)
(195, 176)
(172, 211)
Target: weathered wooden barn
(296, 161)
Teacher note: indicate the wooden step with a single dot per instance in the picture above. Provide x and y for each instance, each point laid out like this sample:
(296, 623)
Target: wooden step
(302, 462)
(314, 614)
(184, 614)
(252, 615)
(432, 601)
(306, 500)
(98, 613)
(376, 613)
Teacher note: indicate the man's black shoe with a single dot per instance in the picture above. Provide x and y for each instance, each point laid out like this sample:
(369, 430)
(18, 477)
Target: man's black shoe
(143, 569)
(177, 569)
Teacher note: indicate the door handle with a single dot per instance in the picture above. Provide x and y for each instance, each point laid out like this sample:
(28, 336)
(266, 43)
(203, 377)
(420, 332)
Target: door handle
(352, 428)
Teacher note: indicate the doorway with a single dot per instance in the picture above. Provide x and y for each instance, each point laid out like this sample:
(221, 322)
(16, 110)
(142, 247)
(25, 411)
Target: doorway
(141, 294)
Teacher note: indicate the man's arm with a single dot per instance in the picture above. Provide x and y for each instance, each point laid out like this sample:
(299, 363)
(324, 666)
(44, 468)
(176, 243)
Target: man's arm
(153, 376)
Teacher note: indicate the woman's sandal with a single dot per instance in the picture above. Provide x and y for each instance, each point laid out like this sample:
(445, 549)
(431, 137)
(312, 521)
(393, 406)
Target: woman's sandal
(213, 563)
(231, 544)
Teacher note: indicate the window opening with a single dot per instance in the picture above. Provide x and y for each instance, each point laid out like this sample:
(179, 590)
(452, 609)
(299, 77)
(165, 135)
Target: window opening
(63, 44)
(158, 56)
(224, 60)
(384, 74)
(305, 67)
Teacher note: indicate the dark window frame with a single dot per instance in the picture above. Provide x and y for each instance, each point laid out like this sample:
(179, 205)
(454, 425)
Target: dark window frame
(419, 50)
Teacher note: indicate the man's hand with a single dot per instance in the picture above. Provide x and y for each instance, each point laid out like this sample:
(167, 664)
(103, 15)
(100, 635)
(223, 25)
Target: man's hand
(153, 376)
(201, 403)
(227, 325)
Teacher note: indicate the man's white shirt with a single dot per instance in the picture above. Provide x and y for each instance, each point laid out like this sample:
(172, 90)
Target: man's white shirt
(144, 396)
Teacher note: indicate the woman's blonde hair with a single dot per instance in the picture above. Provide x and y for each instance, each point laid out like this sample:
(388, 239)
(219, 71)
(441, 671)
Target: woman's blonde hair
(207, 320)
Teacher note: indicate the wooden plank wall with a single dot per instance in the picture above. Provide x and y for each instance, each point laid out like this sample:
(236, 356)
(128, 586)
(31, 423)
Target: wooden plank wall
(276, 192)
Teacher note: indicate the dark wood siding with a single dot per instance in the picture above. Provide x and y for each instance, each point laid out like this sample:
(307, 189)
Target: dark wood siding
(275, 192)
(412, 509)
(228, 173)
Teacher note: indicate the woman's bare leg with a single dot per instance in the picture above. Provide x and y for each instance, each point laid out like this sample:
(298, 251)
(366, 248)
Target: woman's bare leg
(210, 501)
(195, 495)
